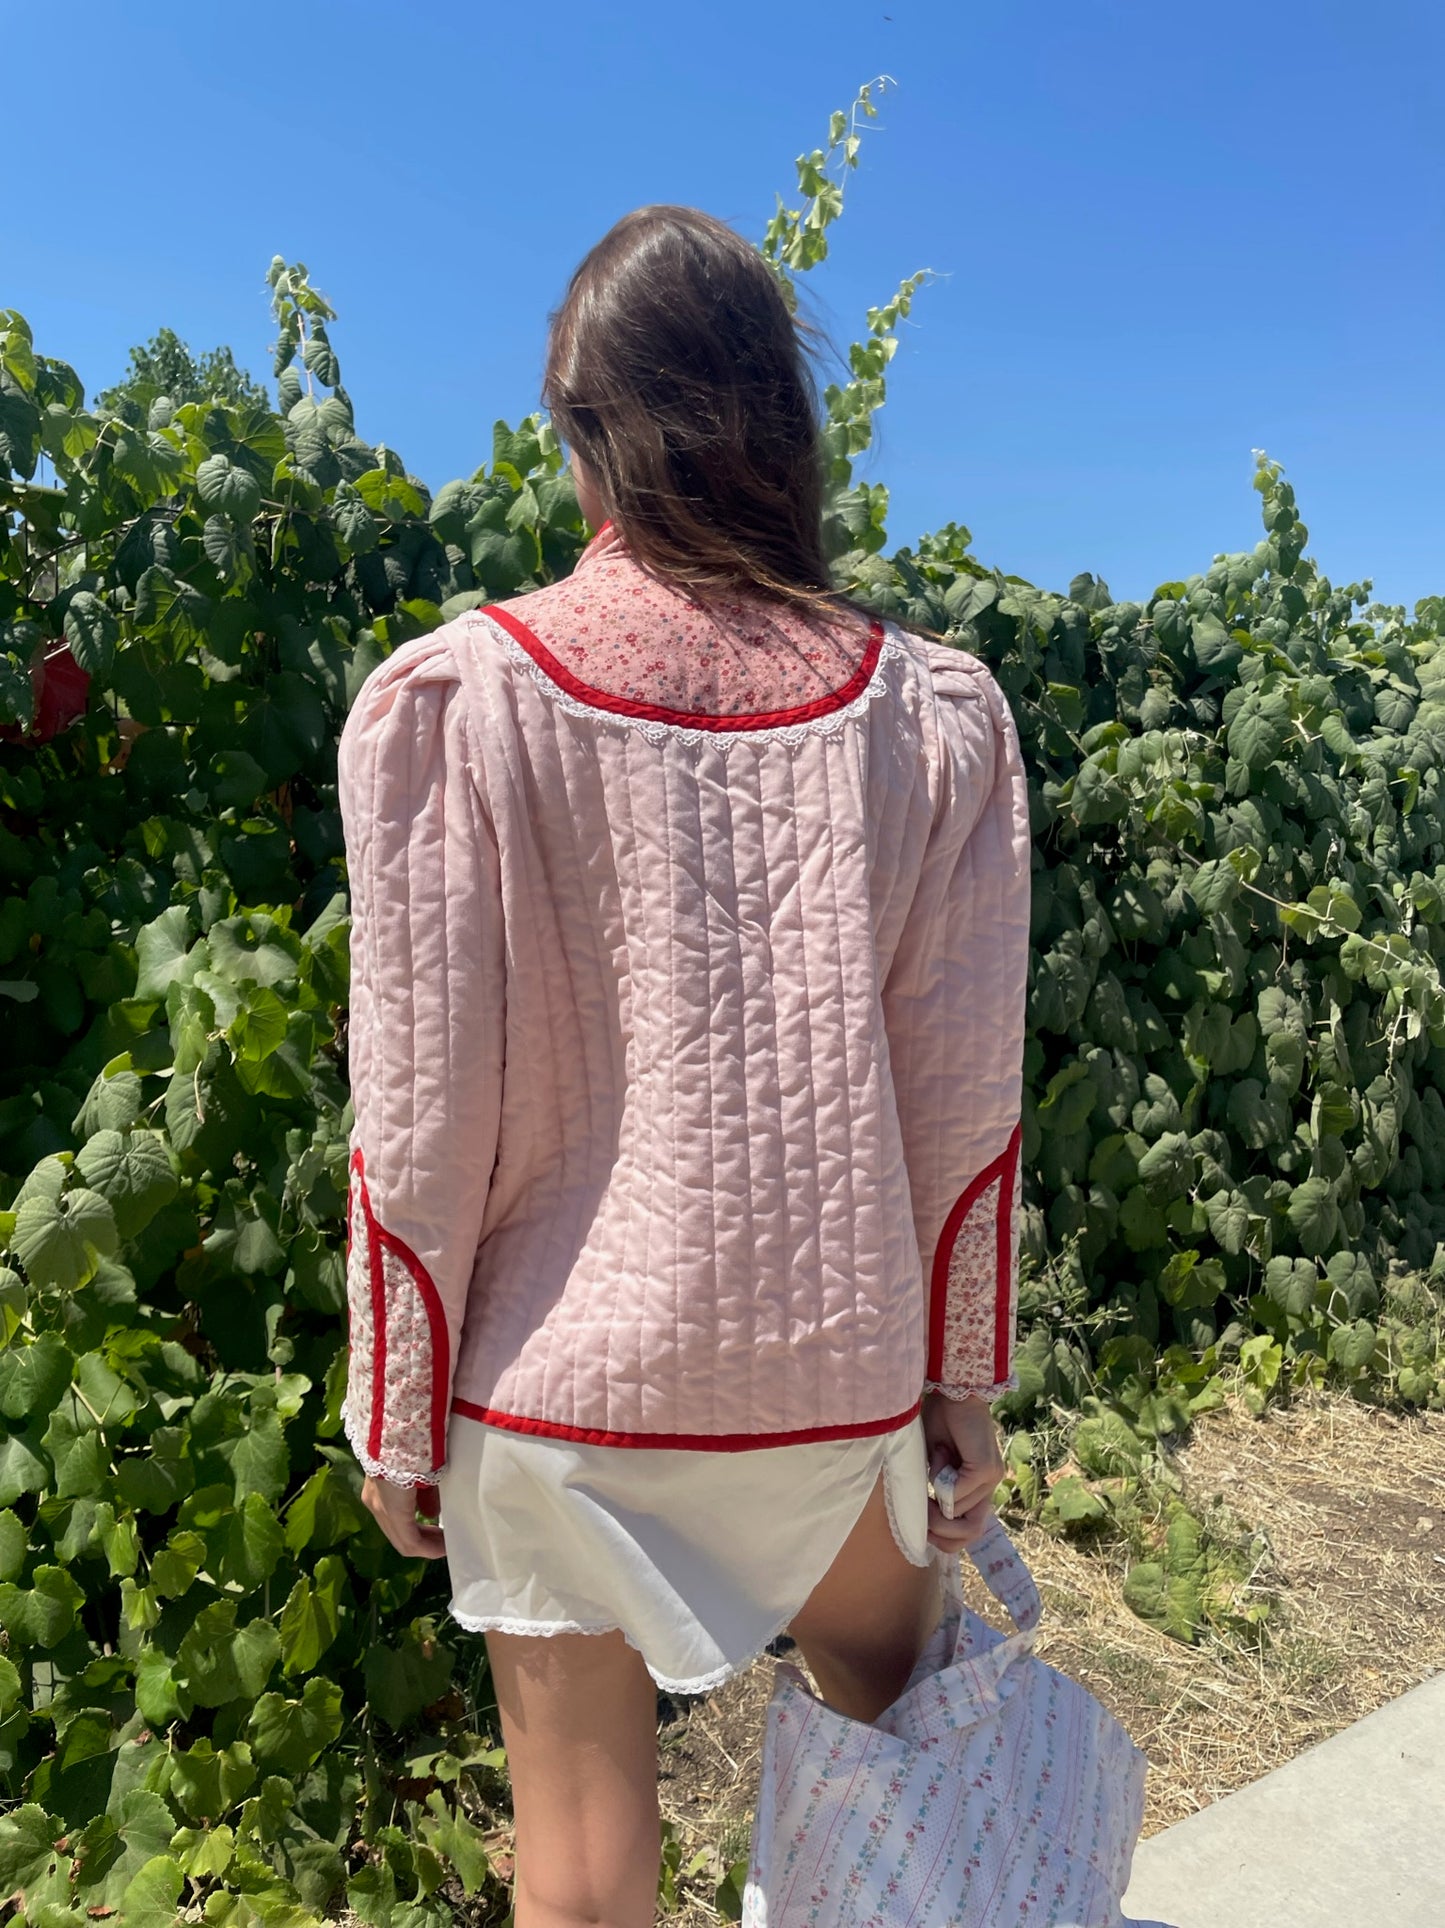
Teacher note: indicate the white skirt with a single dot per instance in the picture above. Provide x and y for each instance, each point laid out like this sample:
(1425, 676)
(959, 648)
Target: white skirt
(698, 1558)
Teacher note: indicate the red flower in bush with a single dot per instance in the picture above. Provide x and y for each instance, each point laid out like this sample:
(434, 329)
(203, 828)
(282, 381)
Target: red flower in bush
(61, 689)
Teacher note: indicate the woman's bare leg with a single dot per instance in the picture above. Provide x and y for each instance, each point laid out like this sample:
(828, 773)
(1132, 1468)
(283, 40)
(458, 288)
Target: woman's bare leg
(867, 1620)
(579, 1722)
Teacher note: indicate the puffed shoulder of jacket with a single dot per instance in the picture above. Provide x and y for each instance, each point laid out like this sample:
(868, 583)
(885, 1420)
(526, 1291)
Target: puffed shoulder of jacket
(418, 672)
(958, 674)
(424, 660)
(972, 719)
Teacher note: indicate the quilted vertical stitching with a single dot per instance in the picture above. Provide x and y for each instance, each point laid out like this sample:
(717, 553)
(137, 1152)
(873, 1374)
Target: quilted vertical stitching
(706, 935)
(806, 966)
(671, 1032)
(810, 1158)
(555, 1031)
(640, 1006)
(846, 1033)
(735, 960)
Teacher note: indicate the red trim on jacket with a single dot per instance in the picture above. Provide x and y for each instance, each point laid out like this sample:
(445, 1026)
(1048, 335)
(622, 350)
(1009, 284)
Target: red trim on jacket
(377, 1238)
(696, 719)
(1001, 1322)
(704, 1442)
(1004, 1168)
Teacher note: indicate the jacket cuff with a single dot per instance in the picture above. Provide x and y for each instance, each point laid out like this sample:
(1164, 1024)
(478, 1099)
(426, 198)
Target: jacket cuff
(376, 1468)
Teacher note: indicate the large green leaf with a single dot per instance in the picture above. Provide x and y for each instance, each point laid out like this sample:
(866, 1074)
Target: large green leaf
(310, 1617)
(1292, 1284)
(226, 489)
(166, 953)
(254, 949)
(220, 1661)
(150, 1897)
(132, 1171)
(250, 1543)
(1257, 734)
(113, 1101)
(23, 1467)
(13, 1542)
(1314, 1215)
(404, 1678)
(1228, 1215)
(208, 1782)
(19, 432)
(27, 1846)
(42, 1614)
(33, 1375)
(288, 1735)
(77, 1449)
(91, 631)
(60, 1241)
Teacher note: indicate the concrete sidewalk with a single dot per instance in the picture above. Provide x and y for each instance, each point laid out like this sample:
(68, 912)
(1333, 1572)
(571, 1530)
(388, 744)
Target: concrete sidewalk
(1350, 1834)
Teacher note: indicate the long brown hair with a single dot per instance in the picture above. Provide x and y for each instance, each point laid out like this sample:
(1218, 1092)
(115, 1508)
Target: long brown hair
(677, 373)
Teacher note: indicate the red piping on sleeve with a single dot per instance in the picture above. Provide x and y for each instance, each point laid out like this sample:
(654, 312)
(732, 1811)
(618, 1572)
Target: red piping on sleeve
(1005, 1255)
(378, 1318)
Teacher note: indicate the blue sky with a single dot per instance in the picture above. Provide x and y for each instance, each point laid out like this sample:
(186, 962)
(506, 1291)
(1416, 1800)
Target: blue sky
(1167, 235)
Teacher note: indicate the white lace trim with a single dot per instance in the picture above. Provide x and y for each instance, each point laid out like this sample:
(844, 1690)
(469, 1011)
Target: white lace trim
(986, 1393)
(696, 1684)
(831, 725)
(376, 1468)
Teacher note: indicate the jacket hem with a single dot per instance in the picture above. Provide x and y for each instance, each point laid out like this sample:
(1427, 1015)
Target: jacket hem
(700, 1442)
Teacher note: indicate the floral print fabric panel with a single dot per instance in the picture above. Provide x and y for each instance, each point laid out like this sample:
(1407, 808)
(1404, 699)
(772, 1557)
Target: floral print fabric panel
(361, 1321)
(614, 632)
(395, 1410)
(975, 1284)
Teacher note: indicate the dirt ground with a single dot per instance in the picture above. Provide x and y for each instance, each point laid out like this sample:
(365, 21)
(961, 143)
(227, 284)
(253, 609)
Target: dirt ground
(1351, 1501)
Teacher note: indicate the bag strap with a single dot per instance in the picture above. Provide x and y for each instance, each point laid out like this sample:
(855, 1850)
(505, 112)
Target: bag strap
(1005, 1575)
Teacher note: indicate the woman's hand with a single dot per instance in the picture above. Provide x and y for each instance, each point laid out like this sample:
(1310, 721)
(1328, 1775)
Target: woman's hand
(397, 1508)
(961, 1434)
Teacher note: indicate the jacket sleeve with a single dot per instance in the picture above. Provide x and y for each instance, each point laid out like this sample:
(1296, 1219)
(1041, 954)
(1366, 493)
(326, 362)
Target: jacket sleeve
(425, 1046)
(954, 1003)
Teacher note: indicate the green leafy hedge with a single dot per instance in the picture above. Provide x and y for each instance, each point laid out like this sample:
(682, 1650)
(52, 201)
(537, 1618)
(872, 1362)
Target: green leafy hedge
(1237, 1027)
(220, 1689)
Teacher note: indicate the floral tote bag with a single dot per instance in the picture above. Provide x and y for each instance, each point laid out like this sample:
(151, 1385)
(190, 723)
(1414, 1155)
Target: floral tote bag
(994, 1790)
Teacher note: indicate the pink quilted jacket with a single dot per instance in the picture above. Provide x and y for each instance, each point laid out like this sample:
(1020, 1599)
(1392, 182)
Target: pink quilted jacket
(688, 962)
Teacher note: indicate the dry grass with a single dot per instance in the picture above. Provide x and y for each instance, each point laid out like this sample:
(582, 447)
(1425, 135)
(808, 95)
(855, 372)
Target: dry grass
(1351, 1500)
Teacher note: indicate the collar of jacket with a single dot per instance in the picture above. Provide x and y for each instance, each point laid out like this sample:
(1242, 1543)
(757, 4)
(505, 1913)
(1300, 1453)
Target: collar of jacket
(606, 542)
